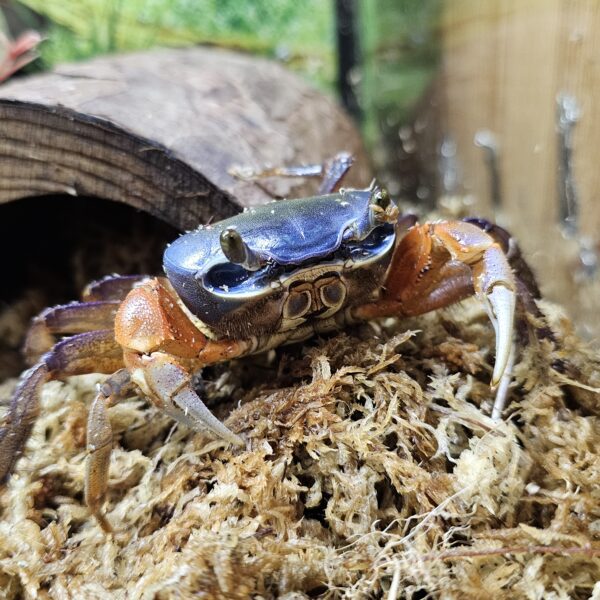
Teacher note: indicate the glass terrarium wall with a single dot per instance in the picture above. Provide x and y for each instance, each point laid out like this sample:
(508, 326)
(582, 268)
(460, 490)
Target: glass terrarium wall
(496, 114)
(526, 75)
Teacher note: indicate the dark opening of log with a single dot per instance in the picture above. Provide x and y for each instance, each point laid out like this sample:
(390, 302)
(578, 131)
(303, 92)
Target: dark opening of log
(52, 246)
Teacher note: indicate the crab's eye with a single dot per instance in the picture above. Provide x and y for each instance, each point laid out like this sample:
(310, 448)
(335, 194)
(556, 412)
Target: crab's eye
(383, 210)
(381, 198)
(237, 251)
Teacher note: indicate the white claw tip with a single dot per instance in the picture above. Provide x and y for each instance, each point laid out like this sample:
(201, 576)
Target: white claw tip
(501, 310)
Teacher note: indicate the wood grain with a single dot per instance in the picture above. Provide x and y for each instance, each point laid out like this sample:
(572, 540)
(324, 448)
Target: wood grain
(160, 130)
(157, 131)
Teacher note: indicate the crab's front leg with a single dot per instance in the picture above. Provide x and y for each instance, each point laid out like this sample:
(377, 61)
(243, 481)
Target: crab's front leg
(162, 349)
(438, 264)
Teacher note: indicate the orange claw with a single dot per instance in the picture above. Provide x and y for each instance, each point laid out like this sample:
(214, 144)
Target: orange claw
(150, 320)
(438, 264)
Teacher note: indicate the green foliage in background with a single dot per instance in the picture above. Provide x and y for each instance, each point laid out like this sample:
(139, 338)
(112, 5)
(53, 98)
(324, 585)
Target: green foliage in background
(400, 41)
(400, 48)
(299, 32)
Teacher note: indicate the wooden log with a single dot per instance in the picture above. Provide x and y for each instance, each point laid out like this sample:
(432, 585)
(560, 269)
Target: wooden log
(160, 131)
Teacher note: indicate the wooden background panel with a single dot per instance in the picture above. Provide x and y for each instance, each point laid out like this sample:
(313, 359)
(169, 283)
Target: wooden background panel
(469, 96)
(579, 75)
(160, 130)
(504, 62)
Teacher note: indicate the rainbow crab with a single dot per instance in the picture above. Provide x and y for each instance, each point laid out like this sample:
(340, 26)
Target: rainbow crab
(273, 275)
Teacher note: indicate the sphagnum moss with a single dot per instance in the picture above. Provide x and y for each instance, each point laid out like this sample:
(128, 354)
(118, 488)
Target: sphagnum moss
(372, 470)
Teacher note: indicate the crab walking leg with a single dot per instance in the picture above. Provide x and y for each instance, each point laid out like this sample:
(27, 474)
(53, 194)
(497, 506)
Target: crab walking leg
(527, 288)
(113, 287)
(100, 302)
(512, 251)
(502, 391)
(23, 411)
(438, 264)
(77, 317)
(93, 352)
(332, 172)
(99, 442)
(169, 385)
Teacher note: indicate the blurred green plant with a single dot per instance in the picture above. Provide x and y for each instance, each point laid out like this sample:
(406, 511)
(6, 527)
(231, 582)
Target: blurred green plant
(401, 54)
(398, 41)
(300, 33)
(401, 51)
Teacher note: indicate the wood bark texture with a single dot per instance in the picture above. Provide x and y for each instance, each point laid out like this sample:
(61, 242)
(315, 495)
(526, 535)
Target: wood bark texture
(160, 131)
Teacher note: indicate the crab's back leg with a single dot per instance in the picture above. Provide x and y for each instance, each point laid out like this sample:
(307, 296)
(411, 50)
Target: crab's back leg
(92, 352)
(77, 317)
(100, 301)
(22, 413)
(332, 173)
(438, 264)
(113, 287)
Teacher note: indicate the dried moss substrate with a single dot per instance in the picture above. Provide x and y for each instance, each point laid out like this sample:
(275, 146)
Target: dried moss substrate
(372, 470)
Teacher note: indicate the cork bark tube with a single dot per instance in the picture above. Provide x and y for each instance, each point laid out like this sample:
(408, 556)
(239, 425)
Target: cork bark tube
(160, 130)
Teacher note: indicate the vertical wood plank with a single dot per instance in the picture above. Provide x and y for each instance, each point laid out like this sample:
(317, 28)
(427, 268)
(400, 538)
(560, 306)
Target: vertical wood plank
(504, 62)
(468, 90)
(579, 75)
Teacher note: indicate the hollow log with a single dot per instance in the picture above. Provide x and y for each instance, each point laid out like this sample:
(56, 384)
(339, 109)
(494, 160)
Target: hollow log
(160, 131)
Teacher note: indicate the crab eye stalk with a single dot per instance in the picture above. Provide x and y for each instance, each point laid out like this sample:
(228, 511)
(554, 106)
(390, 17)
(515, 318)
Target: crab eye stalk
(238, 252)
(381, 198)
(383, 210)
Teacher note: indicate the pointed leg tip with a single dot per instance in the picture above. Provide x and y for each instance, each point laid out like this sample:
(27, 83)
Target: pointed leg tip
(236, 440)
(500, 304)
(103, 522)
(497, 414)
(497, 376)
(501, 366)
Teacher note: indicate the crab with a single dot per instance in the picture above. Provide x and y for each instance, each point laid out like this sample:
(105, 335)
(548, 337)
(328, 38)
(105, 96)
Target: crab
(273, 275)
